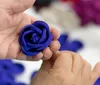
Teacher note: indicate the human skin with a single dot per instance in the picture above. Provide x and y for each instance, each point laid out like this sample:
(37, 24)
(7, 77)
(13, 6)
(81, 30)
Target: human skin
(66, 68)
(12, 20)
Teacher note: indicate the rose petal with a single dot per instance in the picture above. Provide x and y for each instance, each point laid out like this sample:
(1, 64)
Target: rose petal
(29, 53)
(42, 25)
(23, 37)
(35, 38)
(97, 82)
(47, 43)
(40, 46)
(33, 35)
(43, 37)
(36, 29)
(33, 45)
(27, 34)
(30, 27)
(26, 28)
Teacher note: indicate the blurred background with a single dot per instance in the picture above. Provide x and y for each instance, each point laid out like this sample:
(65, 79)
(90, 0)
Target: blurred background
(79, 23)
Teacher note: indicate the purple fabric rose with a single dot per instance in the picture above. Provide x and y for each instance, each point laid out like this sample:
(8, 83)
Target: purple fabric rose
(96, 5)
(34, 38)
(88, 11)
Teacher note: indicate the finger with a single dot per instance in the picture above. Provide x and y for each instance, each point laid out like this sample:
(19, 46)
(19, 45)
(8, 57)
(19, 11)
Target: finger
(54, 46)
(21, 56)
(38, 57)
(62, 60)
(95, 74)
(86, 71)
(77, 63)
(97, 68)
(14, 49)
(55, 33)
(47, 53)
(18, 6)
(46, 65)
(33, 19)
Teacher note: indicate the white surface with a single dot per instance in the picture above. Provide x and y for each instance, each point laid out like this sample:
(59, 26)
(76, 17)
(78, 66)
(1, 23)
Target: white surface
(90, 36)
(29, 68)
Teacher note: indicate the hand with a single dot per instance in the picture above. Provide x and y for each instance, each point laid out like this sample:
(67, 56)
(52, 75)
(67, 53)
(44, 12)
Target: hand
(66, 68)
(12, 20)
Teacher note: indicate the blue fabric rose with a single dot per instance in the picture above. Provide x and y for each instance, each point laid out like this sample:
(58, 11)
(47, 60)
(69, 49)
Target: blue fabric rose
(66, 44)
(97, 82)
(34, 38)
(9, 71)
(17, 68)
(6, 79)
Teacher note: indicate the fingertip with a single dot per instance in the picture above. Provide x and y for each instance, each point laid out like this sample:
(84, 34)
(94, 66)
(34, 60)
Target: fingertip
(47, 53)
(38, 57)
(21, 56)
(95, 74)
(97, 68)
(56, 33)
(63, 60)
(55, 46)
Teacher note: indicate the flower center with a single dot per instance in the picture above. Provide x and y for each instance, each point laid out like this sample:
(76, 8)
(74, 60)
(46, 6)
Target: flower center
(35, 38)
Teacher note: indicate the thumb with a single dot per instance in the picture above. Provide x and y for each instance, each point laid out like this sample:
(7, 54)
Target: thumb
(95, 73)
(47, 64)
(18, 6)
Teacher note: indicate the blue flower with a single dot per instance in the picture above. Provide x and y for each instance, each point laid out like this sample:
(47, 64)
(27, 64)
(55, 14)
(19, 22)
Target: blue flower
(97, 82)
(66, 44)
(7, 79)
(63, 38)
(17, 68)
(34, 38)
(9, 72)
